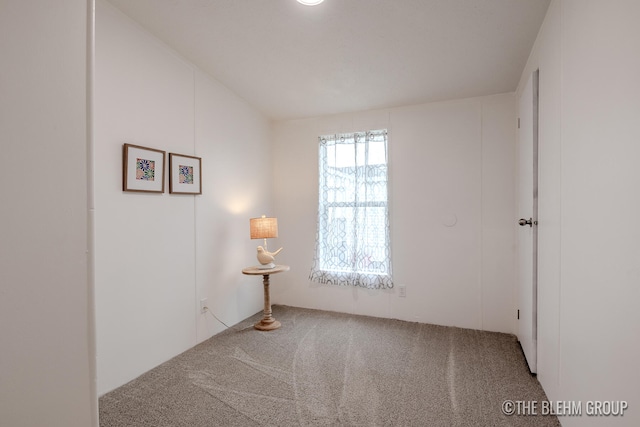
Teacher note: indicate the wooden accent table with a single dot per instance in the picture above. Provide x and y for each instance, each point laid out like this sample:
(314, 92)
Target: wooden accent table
(268, 323)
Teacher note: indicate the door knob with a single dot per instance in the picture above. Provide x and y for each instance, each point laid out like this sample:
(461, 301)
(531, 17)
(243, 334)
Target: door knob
(524, 222)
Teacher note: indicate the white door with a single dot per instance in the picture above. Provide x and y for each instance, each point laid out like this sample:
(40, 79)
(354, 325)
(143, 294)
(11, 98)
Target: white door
(528, 220)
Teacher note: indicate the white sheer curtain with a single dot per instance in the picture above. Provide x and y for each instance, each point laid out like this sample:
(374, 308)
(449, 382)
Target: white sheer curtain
(352, 239)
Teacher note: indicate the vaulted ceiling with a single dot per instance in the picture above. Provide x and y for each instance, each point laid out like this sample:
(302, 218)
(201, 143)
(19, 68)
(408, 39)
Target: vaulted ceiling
(293, 61)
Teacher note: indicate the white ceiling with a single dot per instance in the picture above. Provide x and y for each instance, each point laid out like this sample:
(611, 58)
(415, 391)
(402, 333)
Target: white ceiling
(293, 61)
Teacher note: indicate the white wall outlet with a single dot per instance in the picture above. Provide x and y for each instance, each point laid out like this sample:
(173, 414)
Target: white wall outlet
(203, 305)
(402, 291)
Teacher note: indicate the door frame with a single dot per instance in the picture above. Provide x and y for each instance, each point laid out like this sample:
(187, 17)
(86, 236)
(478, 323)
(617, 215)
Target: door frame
(530, 347)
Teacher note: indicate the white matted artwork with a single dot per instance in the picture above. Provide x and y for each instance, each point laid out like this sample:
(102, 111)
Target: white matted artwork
(142, 169)
(185, 174)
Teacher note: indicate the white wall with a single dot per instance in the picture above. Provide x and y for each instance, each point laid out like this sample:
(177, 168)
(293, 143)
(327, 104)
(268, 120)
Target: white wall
(45, 338)
(444, 158)
(235, 140)
(587, 52)
(157, 255)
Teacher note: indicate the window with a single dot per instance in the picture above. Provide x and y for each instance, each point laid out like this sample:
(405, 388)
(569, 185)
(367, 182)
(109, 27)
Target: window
(352, 239)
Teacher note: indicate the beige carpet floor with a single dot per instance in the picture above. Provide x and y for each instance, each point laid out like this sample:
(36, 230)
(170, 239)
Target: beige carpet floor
(325, 368)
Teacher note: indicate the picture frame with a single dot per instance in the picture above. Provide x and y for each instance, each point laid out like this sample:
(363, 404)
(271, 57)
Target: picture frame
(142, 169)
(185, 174)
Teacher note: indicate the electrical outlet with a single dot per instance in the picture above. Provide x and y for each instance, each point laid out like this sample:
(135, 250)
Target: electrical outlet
(402, 291)
(203, 305)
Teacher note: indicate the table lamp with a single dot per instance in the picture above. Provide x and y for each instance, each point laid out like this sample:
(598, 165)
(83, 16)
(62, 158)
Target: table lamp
(264, 228)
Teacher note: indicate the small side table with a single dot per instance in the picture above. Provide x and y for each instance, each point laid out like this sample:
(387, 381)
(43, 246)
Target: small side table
(268, 323)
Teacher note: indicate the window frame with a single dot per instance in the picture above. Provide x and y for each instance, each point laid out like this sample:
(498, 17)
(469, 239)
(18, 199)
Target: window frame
(324, 271)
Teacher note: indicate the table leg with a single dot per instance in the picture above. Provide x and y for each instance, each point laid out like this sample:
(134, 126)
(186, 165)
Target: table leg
(268, 323)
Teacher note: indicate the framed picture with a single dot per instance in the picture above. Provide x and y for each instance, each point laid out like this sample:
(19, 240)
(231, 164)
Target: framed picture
(185, 174)
(143, 169)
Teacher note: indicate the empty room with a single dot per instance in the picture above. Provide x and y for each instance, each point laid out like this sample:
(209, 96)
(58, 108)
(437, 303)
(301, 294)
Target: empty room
(335, 212)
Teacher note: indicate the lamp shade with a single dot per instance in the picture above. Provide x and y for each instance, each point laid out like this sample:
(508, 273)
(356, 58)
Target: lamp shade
(263, 228)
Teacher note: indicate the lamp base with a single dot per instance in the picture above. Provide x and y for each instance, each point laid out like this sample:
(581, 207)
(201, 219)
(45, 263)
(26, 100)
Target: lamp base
(266, 266)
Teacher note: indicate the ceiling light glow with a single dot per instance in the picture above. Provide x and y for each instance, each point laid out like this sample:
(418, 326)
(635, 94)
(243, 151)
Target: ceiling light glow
(310, 2)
